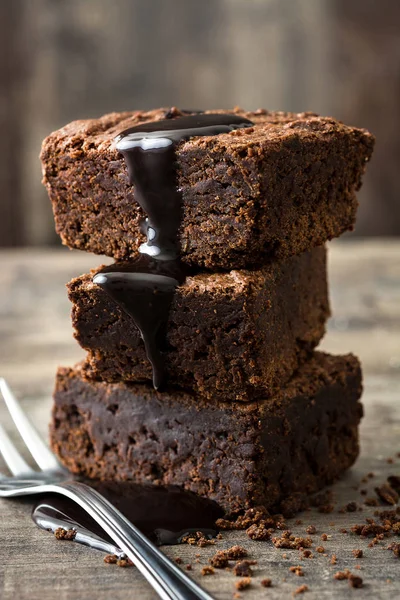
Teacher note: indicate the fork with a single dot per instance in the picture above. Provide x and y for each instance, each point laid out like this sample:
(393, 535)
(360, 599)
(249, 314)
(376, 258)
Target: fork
(163, 575)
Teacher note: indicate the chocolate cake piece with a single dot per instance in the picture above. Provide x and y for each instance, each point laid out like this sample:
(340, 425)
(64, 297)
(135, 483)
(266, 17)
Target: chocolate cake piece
(239, 455)
(273, 190)
(235, 335)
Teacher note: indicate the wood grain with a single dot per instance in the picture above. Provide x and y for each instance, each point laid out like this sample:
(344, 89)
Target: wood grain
(36, 335)
(62, 61)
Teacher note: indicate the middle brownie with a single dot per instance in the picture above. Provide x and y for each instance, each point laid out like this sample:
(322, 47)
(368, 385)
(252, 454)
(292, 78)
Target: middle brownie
(231, 336)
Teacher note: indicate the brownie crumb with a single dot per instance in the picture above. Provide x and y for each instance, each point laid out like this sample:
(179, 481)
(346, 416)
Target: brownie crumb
(371, 502)
(394, 482)
(320, 549)
(371, 529)
(324, 537)
(64, 534)
(124, 562)
(333, 559)
(267, 583)
(207, 570)
(243, 568)
(189, 567)
(259, 532)
(290, 542)
(306, 553)
(387, 494)
(243, 584)
(311, 529)
(389, 516)
(343, 530)
(197, 539)
(219, 560)
(297, 570)
(251, 516)
(110, 559)
(236, 552)
(178, 560)
(300, 590)
(224, 524)
(340, 575)
(395, 548)
(357, 553)
(355, 581)
(326, 508)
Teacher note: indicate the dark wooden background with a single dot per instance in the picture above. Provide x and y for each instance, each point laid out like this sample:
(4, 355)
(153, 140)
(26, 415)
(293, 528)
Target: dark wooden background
(66, 60)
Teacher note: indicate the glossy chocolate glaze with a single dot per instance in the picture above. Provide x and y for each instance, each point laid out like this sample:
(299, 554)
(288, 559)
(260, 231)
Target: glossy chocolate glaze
(145, 293)
(144, 289)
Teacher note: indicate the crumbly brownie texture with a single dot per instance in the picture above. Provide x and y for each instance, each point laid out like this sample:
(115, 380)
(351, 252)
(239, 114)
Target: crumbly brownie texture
(231, 336)
(273, 190)
(240, 455)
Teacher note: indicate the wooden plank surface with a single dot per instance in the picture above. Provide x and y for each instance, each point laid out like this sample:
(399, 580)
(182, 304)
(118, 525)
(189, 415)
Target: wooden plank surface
(36, 336)
(61, 61)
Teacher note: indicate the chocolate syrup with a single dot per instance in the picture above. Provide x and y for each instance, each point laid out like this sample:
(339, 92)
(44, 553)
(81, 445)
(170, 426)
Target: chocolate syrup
(149, 150)
(144, 289)
(164, 514)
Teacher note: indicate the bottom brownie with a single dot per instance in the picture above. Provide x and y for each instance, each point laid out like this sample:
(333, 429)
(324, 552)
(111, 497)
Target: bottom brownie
(240, 455)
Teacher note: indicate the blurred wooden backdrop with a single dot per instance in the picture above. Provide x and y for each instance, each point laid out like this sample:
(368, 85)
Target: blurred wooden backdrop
(63, 60)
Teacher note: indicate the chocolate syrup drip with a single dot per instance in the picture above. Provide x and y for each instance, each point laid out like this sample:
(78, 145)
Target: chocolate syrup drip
(164, 515)
(144, 289)
(150, 154)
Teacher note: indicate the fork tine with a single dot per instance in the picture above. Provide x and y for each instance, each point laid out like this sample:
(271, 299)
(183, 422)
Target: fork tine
(12, 457)
(36, 446)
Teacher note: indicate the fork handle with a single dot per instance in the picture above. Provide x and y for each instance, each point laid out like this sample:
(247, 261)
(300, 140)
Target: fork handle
(163, 575)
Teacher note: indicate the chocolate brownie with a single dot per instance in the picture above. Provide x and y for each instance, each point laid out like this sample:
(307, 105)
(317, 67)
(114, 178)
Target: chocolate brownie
(281, 187)
(239, 455)
(230, 336)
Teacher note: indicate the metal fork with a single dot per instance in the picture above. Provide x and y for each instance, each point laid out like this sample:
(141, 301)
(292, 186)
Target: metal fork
(163, 575)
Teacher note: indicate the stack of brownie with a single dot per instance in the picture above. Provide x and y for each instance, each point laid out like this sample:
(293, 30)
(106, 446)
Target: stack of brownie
(225, 394)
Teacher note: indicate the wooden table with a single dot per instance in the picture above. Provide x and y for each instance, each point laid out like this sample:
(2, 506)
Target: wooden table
(36, 336)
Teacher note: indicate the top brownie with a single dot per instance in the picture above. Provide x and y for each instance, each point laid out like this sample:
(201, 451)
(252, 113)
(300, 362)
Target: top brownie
(273, 190)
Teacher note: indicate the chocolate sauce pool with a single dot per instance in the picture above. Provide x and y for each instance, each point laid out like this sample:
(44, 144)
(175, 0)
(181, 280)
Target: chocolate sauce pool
(164, 514)
(145, 288)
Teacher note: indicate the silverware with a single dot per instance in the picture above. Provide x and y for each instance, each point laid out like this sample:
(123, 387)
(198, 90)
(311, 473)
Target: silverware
(163, 575)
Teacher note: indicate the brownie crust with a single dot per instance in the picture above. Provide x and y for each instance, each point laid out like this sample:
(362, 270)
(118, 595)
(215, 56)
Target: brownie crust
(231, 336)
(239, 455)
(273, 190)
